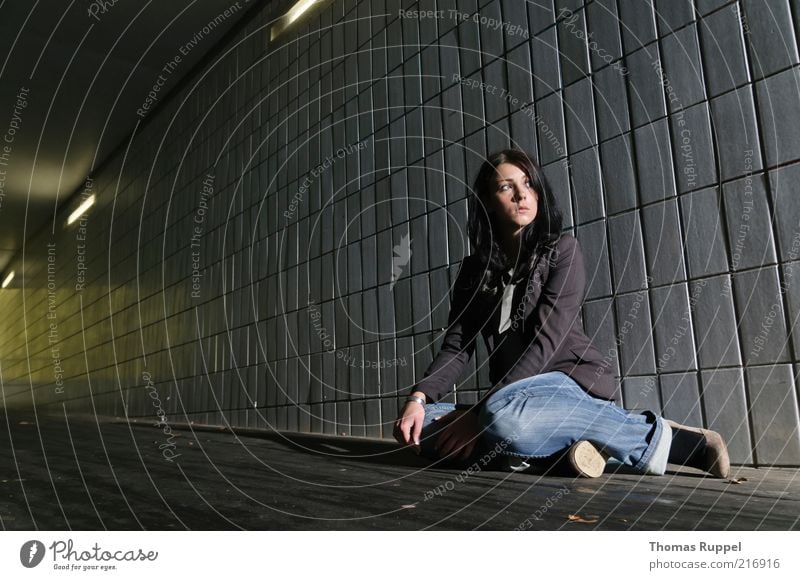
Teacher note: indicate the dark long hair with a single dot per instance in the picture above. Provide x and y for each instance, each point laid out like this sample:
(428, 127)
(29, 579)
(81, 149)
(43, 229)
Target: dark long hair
(538, 237)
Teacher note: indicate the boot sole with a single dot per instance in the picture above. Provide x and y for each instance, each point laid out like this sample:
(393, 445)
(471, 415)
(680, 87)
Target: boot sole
(586, 460)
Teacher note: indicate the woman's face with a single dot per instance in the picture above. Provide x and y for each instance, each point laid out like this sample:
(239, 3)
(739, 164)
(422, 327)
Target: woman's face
(514, 201)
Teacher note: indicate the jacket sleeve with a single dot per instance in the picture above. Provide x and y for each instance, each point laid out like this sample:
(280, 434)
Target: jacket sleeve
(557, 310)
(459, 340)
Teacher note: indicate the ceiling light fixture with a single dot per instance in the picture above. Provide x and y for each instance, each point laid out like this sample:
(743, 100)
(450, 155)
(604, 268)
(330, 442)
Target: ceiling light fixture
(295, 12)
(8, 279)
(80, 210)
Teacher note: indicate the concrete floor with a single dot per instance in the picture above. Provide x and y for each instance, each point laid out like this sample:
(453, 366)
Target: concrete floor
(88, 474)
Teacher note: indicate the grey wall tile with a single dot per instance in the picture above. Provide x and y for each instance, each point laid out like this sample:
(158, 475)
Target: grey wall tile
(550, 129)
(406, 374)
(611, 101)
(783, 192)
(749, 227)
(541, 15)
(673, 14)
(457, 244)
(468, 42)
(761, 316)
(429, 65)
(654, 162)
(770, 36)
(518, 70)
(353, 358)
(705, 233)
(586, 181)
(663, 242)
(476, 151)
(496, 104)
(682, 69)
(619, 179)
(557, 174)
(627, 252)
(641, 393)
(498, 135)
(637, 22)
(516, 14)
(791, 288)
(722, 43)
(473, 102)
(645, 93)
(693, 148)
(726, 410)
(634, 335)
(491, 37)
(716, 322)
(373, 427)
(681, 396)
(736, 136)
(389, 408)
(421, 303)
(572, 47)
(579, 114)
(598, 323)
(523, 131)
(779, 111)
(675, 349)
(402, 298)
(328, 419)
(414, 141)
(603, 25)
(706, 6)
(544, 55)
(388, 374)
(452, 120)
(592, 239)
(774, 412)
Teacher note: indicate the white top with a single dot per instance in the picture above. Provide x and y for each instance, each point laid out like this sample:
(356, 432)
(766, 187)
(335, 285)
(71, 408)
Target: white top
(505, 311)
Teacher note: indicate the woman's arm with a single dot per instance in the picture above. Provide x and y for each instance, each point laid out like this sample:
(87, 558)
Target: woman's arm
(446, 368)
(558, 308)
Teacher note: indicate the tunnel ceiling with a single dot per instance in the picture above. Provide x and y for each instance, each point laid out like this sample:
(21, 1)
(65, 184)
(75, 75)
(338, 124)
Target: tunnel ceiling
(74, 78)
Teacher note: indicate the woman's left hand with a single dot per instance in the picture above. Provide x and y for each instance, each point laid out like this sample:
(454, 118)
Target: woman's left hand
(459, 436)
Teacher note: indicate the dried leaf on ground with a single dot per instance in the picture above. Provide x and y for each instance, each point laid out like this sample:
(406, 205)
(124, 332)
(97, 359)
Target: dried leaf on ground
(579, 520)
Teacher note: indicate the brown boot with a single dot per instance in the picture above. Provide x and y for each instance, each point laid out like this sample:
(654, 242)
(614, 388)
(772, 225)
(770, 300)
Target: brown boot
(585, 459)
(699, 448)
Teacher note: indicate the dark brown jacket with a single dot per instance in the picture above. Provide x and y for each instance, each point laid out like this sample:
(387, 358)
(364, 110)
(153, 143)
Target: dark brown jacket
(546, 332)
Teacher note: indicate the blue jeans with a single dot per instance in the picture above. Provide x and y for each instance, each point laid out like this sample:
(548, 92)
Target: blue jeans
(542, 415)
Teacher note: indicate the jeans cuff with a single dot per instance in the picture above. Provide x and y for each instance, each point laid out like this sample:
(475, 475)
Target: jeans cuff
(654, 460)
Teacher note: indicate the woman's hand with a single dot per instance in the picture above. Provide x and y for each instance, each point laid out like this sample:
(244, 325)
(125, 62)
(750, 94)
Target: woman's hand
(460, 434)
(408, 425)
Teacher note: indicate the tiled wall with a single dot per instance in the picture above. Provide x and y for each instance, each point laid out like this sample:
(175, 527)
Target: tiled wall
(672, 139)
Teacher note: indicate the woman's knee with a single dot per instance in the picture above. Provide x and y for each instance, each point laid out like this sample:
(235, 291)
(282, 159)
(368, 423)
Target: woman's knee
(502, 420)
(530, 421)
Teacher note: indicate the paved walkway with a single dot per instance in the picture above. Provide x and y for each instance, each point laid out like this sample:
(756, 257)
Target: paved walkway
(92, 475)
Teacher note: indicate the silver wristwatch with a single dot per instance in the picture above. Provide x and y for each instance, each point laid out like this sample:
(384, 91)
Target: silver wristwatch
(416, 399)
